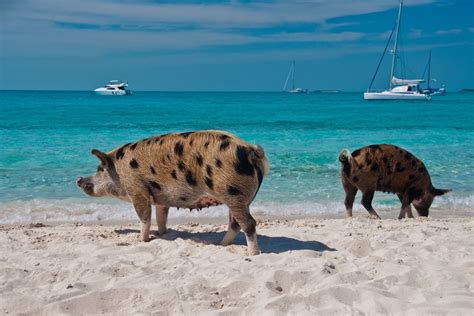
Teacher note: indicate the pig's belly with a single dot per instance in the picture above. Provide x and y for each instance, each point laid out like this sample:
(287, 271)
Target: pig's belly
(192, 201)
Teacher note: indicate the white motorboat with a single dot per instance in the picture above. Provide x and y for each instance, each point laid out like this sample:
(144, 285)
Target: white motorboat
(114, 87)
(400, 89)
(291, 74)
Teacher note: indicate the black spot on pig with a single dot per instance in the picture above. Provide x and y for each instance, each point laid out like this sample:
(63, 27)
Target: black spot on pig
(209, 183)
(209, 170)
(152, 170)
(233, 190)
(199, 160)
(190, 179)
(133, 146)
(421, 170)
(243, 165)
(376, 147)
(223, 137)
(173, 174)
(355, 153)
(206, 145)
(155, 185)
(178, 149)
(375, 167)
(218, 163)
(399, 168)
(408, 156)
(133, 164)
(181, 166)
(121, 151)
(224, 145)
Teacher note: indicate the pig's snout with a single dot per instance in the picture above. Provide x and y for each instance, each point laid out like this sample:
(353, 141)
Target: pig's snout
(85, 185)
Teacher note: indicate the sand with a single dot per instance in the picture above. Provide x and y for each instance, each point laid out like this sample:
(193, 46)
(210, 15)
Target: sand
(308, 266)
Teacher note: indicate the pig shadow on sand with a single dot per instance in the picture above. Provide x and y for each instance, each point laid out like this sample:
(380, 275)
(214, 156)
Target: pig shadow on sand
(268, 244)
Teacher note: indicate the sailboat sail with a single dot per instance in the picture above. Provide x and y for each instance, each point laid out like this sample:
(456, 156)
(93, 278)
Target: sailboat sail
(397, 81)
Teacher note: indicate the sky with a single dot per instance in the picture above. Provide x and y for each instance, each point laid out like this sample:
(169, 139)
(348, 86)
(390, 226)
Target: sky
(230, 45)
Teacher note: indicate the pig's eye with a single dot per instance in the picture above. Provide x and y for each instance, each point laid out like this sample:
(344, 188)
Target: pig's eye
(100, 169)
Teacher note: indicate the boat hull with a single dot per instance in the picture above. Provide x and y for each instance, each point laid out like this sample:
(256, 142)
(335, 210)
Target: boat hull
(298, 90)
(111, 92)
(386, 95)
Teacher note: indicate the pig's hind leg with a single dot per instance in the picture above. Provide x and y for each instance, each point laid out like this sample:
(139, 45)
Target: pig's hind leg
(161, 218)
(351, 192)
(367, 198)
(143, 209)
(242, 216)
(232, 230)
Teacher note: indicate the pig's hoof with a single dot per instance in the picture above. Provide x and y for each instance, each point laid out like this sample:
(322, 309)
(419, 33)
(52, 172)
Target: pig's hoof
(161, 232)
(254, 252)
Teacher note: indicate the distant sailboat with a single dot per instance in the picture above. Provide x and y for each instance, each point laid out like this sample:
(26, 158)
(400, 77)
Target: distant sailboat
(291, 74)
(400, 89)
(430, 90)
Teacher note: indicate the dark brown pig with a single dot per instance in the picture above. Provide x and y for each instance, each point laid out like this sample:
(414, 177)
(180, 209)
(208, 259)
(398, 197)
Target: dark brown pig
(390, 169)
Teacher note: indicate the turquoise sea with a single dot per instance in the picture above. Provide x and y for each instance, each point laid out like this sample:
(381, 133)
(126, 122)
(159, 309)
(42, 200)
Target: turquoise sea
(46, 138)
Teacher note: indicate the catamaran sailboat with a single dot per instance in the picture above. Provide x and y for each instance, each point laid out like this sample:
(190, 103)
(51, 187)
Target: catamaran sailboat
(114, 87)
(291, 74)
(400, 89)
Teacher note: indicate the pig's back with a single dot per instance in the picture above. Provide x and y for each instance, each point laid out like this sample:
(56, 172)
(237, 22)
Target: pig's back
(388, 168)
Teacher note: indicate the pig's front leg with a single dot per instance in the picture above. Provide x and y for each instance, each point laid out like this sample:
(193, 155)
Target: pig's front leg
(162, 218)
(143, 209)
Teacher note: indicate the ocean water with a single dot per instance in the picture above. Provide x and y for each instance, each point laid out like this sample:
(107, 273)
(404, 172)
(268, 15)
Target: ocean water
(46, 138)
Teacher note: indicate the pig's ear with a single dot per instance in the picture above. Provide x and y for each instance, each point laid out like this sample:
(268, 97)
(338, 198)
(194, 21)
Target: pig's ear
(104, 159)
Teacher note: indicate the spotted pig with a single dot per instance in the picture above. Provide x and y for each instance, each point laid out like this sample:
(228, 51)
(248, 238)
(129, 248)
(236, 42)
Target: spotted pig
(185, 170)
(390, 169)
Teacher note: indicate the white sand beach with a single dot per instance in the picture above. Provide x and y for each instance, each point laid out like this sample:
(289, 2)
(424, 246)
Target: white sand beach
(307, 266)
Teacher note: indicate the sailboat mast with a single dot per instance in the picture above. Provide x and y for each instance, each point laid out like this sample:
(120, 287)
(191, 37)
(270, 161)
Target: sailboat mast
(293, 75)
(394, 57)
(429, 70)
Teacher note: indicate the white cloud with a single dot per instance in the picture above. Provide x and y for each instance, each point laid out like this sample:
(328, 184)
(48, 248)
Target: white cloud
(415, 33)
(448, 32)
(218, 15)
(151, 27)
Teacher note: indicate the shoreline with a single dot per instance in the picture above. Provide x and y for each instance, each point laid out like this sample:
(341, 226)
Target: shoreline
(176, 220)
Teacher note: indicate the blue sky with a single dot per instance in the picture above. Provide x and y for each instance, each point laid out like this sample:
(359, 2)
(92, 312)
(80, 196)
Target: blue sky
(228, 45)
